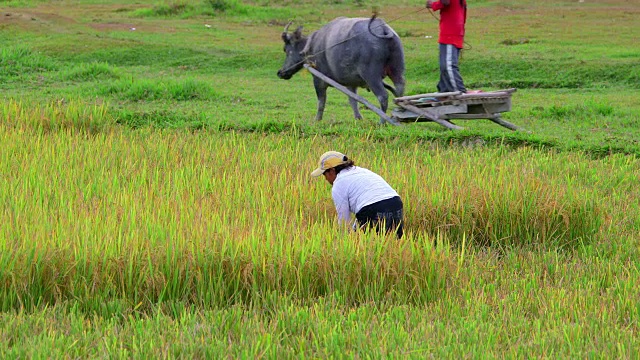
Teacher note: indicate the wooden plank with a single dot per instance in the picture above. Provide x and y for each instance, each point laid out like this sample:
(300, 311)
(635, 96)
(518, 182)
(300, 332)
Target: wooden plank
(351, 94)
(493, 117)
(403, 114)
(458, 95)
(469, 116)
(435, 95)
(504, 123)
(461, 99)
(467, 97)
(486, 100)
(430, 102)
(426, 114)
(436, 111)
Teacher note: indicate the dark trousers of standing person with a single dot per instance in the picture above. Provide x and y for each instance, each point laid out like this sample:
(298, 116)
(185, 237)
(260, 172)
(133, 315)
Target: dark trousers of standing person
(386, 213)
(450, 79)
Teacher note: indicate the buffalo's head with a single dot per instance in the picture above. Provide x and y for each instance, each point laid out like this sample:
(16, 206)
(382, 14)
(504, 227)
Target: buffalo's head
(294, 43)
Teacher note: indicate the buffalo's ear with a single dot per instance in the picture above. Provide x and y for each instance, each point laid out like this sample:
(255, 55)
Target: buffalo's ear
(298, 33)
(286, 38)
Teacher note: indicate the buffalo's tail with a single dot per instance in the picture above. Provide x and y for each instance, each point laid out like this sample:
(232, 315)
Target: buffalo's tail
(387, 32)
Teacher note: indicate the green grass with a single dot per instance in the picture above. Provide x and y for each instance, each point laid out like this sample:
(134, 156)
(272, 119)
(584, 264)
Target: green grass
(213, 8)
(18, 62)
(157, 200)
(188, 89)
(91, 72)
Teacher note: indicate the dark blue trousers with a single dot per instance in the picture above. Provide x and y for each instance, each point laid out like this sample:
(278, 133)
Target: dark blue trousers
(450, 79)
(387, 213)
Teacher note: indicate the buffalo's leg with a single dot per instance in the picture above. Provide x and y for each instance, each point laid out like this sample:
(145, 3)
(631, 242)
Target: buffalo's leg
(321, 93)
(377, 87)
(354, 104)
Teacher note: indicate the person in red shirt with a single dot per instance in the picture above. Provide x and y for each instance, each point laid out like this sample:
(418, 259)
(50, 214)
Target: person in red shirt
(453, 16)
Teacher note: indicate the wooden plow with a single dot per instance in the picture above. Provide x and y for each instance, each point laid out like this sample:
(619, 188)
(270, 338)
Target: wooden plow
(438, 107)
(442, 107)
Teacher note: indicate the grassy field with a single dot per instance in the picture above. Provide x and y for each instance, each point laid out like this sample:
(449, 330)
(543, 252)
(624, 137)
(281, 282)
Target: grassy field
(154, 176)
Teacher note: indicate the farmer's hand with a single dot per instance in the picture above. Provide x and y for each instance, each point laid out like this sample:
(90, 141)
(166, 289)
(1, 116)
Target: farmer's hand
(429, 2)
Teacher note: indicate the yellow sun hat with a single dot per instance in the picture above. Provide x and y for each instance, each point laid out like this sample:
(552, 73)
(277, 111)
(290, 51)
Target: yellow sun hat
(329, 160)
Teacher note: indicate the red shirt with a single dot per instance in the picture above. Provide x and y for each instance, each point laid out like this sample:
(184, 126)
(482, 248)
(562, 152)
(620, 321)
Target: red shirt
(452, 20)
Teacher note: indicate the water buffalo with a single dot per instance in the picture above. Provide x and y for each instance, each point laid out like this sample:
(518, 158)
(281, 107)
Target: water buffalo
(355, 52)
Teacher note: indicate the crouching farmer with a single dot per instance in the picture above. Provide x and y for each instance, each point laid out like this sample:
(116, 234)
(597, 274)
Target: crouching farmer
(362, 192)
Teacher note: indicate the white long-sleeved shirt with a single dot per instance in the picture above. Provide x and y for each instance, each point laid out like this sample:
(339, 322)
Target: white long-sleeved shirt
(355, 188)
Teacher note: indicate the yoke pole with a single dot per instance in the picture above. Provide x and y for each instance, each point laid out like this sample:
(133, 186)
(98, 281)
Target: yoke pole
(351, 94)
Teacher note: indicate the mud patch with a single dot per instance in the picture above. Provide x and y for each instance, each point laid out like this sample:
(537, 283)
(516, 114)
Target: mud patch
(35, 16)
(16, 16)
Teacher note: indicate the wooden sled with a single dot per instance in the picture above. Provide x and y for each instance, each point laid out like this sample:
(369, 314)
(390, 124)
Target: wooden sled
(442, 107)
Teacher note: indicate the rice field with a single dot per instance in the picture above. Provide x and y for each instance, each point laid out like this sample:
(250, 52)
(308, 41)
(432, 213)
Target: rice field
(163, 231)
(157, 199)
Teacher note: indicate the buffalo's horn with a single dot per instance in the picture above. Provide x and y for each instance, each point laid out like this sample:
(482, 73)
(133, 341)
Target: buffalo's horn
(286, 28)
